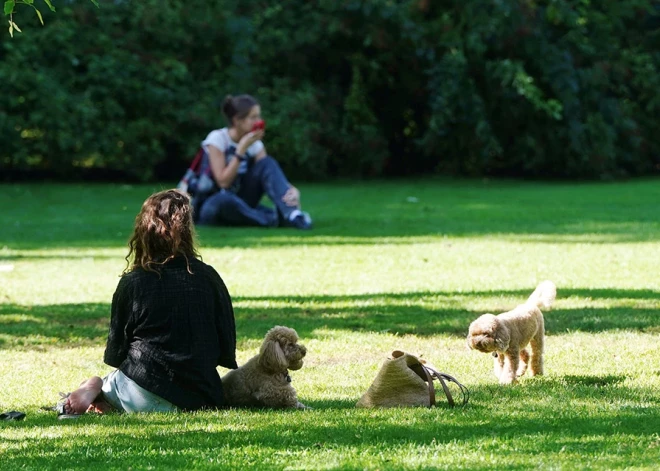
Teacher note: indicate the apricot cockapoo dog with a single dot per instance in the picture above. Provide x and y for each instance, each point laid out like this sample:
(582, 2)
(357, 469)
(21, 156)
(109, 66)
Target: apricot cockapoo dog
(506, 335)
(264, 380)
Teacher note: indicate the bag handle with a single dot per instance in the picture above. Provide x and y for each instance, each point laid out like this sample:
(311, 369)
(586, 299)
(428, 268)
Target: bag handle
(194, 166)
(429, 381)
(441, 377)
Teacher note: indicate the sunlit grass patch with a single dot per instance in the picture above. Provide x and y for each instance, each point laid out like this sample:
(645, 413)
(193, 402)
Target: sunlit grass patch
(380, 271)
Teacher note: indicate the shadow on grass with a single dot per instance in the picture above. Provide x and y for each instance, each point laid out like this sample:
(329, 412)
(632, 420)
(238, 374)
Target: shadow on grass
(603, 422)
(56, 325)
(64, 325)
(592, 380)
(95, 216)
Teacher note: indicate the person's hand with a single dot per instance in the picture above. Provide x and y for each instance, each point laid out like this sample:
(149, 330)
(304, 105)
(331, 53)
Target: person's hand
(292, 197)
(249, 139)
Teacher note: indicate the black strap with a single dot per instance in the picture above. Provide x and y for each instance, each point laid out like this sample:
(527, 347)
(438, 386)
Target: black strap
(442, 378)
(429, 382)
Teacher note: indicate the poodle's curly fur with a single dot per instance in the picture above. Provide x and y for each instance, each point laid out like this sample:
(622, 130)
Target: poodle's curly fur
(264, 380)
(506, 335)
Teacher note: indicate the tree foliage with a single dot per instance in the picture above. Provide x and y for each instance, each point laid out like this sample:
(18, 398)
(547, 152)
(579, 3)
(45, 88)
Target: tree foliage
(10, 7)
(540, 88)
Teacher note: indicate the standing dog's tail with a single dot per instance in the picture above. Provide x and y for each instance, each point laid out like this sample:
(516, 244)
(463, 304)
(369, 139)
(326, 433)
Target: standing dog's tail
(544, 294)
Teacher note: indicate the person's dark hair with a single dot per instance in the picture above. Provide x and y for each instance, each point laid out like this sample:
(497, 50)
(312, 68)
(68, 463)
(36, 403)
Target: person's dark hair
(163, 230)
(237, 107)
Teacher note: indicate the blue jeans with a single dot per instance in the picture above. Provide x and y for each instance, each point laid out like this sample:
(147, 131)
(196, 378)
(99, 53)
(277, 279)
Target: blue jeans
(124, 394)
(242, 208)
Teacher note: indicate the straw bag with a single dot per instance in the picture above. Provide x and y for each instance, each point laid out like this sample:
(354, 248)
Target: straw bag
(406, 381)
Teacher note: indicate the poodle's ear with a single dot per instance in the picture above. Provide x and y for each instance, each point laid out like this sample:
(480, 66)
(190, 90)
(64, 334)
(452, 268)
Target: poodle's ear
(271, 356)
(501, 337)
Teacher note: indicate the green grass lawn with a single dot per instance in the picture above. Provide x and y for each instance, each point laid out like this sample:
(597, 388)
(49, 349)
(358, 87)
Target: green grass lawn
(389, 265)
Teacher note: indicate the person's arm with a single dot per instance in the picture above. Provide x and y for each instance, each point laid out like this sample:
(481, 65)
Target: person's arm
(223, 174)
(251, 142)
(226, 325)
(118, 343)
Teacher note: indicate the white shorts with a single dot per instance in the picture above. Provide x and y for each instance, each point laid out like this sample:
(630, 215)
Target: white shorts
(124, 394)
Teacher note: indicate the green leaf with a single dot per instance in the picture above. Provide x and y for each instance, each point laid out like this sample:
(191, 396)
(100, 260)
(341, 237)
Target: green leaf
(28, 2)
(9, 8)
(50, 5)
(39, 15)
(95, 2)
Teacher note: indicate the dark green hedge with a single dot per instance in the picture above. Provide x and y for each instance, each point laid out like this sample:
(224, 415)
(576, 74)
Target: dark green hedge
(556, 88)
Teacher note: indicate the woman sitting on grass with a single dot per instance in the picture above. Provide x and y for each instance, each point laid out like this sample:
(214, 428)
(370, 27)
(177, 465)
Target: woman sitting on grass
(242, 172)
(172, 322)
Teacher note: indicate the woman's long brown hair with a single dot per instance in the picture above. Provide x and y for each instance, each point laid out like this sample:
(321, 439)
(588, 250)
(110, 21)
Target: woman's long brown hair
(163, 230)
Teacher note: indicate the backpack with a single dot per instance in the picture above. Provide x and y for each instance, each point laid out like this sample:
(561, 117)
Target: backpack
(197, 181)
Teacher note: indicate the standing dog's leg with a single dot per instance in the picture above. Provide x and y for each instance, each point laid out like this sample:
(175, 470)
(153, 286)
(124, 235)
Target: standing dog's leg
(537, 347)
(536, 343)
(498, 364)
(524, 361)
(511, 360)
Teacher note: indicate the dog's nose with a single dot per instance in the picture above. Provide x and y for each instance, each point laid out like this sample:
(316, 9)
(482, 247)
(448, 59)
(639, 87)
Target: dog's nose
(303, 350)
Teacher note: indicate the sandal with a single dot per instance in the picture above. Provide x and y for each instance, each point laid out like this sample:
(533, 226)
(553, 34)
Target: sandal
(61, 411)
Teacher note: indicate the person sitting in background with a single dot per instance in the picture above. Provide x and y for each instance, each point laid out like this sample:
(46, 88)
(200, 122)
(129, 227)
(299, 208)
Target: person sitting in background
(242, 172)
(172, 322)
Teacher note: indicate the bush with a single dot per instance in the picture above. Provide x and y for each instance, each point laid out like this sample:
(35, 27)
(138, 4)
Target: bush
(349, 88)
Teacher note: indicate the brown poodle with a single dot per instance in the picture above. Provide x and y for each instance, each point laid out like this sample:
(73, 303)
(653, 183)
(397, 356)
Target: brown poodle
(506, 335)
(264, 380)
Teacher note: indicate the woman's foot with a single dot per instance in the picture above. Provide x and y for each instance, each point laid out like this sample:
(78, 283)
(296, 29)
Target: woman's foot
(100, 407)
(82, 398)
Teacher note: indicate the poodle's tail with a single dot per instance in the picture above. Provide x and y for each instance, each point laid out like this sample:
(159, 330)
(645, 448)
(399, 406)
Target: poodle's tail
(544, 294)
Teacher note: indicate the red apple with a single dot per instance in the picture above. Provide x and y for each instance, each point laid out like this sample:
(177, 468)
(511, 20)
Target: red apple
(261, 124)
